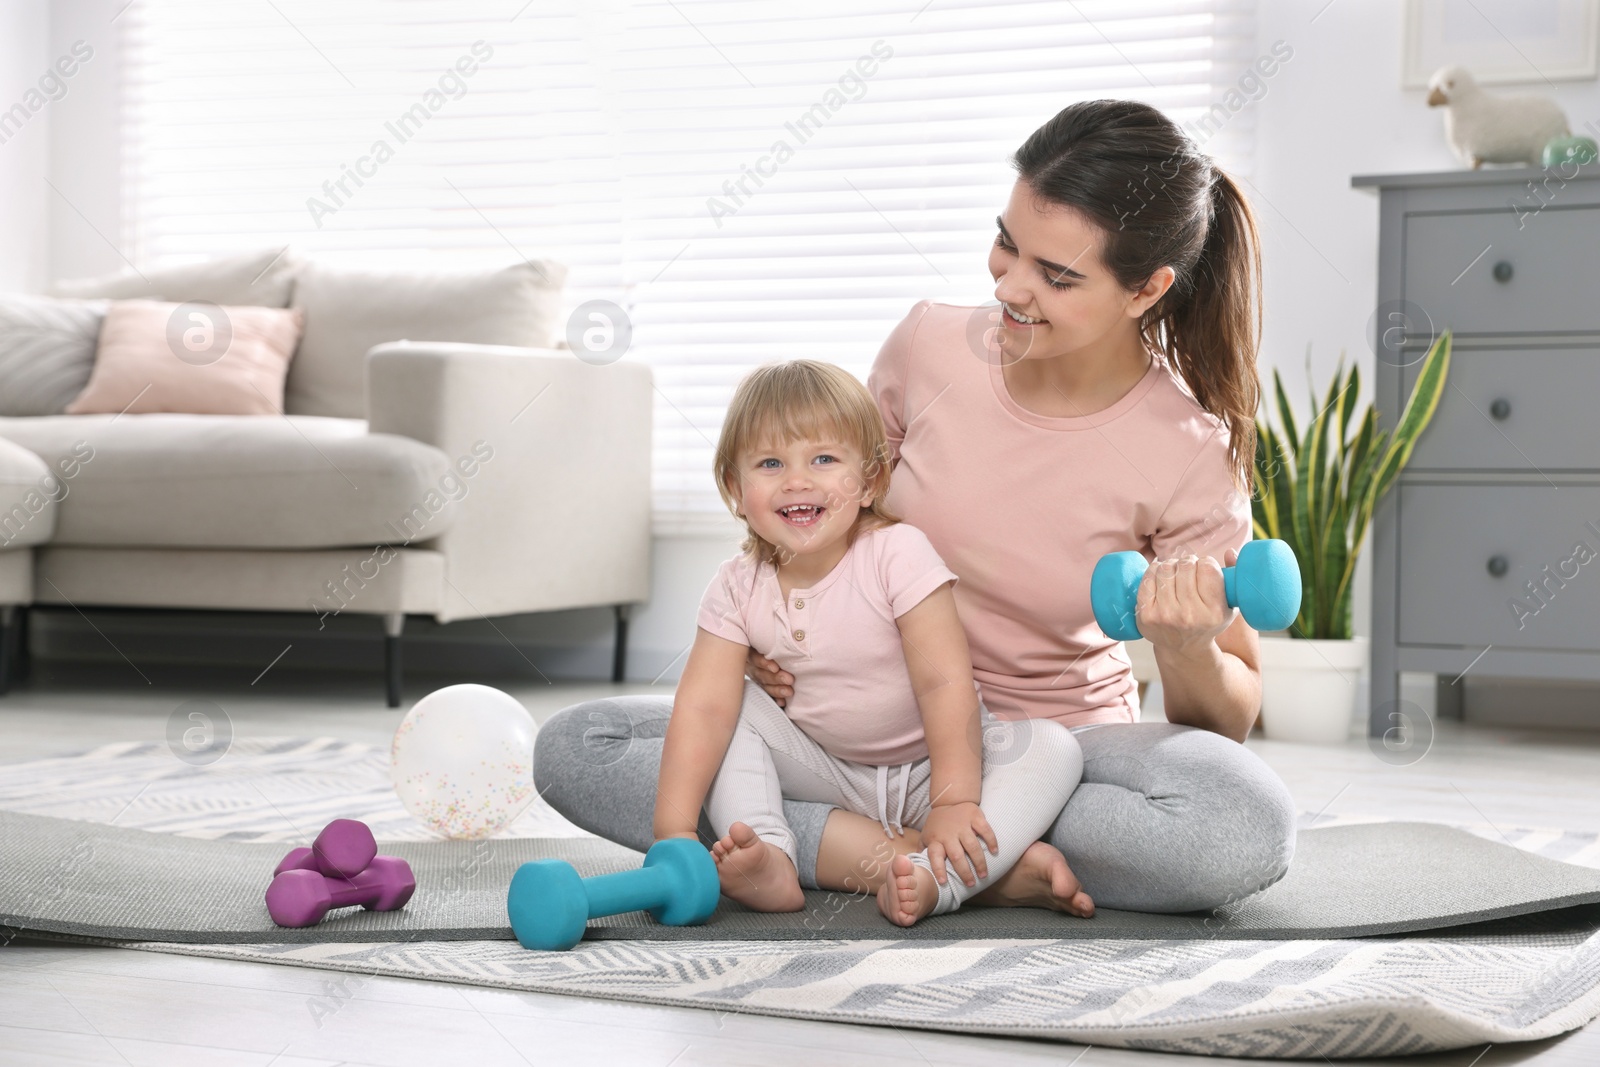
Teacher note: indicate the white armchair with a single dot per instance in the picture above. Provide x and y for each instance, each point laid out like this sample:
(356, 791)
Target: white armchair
(555, 512)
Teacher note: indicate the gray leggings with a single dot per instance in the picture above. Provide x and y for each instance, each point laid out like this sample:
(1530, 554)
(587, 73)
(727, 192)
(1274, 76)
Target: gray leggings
(1166, 818)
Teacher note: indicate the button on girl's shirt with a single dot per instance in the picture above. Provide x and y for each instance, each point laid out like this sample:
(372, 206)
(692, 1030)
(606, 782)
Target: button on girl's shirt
(799, 604)
(799, 635)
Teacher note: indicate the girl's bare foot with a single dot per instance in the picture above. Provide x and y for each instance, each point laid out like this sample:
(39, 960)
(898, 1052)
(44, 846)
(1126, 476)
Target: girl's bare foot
(908, 893)
(756, 873)
(1041, 879)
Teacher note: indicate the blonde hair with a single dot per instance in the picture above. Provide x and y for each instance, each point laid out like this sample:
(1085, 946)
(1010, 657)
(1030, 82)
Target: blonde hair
(803, 398)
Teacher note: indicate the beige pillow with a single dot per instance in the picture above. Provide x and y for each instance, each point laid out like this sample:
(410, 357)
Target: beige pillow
(263, 278)
(197, 358)
(350, 311)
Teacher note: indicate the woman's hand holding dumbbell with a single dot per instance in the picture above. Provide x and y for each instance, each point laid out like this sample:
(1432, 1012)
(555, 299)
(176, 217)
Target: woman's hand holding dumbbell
(1182, 604)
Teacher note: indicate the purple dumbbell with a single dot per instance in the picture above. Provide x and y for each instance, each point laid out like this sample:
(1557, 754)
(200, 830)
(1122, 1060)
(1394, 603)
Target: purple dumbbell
(301, 897)
(343, 849)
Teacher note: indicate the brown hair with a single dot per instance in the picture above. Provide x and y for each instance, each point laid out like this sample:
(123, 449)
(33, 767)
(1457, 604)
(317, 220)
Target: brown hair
(1162, 202)
(804, 399)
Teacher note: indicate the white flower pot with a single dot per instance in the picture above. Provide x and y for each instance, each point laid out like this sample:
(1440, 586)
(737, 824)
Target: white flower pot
(1308, 688)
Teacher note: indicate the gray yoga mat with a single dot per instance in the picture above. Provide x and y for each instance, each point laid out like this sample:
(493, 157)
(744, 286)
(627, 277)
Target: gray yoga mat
(70, 877)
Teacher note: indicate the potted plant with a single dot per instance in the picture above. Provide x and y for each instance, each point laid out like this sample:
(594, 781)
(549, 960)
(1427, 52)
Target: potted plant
(1318, 495)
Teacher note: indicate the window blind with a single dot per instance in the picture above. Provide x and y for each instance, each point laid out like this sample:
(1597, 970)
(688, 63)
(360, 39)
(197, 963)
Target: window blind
(748, 184)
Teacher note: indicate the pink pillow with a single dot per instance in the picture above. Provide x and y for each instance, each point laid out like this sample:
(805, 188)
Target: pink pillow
(197, 358)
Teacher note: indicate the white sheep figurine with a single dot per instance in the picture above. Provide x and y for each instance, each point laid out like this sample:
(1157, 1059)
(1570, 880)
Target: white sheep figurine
(1484, 128)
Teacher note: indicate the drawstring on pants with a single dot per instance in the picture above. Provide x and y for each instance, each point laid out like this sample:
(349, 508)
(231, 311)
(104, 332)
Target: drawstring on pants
(883, 799)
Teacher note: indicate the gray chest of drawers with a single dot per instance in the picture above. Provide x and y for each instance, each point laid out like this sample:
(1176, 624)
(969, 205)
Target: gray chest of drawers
(1486, 554)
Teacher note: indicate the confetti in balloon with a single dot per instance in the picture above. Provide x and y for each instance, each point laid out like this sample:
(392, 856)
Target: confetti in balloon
(462, 760)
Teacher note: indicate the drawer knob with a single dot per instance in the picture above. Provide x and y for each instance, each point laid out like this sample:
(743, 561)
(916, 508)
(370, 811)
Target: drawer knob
(1500, 409)
(1498, 565)
(1502, 271)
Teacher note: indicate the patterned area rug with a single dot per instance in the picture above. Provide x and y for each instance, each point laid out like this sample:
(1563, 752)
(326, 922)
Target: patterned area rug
(1514, 980)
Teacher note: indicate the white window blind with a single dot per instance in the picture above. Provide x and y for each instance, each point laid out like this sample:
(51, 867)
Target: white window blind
(749, 183)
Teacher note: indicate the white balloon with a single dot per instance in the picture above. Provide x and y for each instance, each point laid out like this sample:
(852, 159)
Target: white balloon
(462, 760)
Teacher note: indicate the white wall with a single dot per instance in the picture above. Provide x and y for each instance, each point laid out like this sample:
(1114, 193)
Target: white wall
(25, 153)
(86, 142)
(71, 143)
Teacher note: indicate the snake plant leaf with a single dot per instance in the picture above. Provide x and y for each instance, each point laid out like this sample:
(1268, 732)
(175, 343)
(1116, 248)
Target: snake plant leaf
(1359, 494)
(1327, 472)
(1347, 406)
(1342, 613)
(1283, 488)
(1370, 443)
(1325, 486)
(1311, 390)
(1263, 509)
(1275, 480)
(1285, 412)
(1419, 409)
(1279, 481)
(1258, 532)
(1337, 556)
(1258, 529)
(1303, 501)
(1309, 474)
(1333, 500)
(1335, 388)
(1358, 452)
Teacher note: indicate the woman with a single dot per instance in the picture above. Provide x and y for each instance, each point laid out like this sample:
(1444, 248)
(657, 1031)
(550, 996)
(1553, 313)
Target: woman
(1112, 409)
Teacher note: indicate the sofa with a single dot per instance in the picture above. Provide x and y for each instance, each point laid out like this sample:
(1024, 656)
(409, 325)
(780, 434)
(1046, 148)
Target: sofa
(439, 453)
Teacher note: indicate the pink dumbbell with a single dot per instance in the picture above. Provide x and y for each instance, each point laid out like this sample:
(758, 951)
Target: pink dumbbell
(343, 849)
(301, 897)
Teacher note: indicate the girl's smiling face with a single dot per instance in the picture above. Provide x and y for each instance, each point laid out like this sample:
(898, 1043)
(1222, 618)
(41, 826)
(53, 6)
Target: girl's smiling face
(1056, 295)
(802, 496)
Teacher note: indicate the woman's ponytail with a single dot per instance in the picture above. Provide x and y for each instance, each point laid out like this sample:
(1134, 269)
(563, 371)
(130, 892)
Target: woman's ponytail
(1211, 332)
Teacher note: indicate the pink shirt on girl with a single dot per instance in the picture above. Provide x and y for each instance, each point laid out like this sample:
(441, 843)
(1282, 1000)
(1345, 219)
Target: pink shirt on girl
(852, 690)
(1021, 506)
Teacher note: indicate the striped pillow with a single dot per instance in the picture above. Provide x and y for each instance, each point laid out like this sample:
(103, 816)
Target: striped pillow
(47, 350)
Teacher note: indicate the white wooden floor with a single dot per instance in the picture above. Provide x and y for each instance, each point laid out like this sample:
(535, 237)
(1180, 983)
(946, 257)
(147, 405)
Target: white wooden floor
(62, 1005)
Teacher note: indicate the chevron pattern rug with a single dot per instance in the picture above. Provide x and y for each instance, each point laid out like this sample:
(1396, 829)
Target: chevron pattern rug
(1508, 981)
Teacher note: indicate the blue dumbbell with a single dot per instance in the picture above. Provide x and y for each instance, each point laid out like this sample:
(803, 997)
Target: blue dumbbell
(550, 905)
(1264, 585)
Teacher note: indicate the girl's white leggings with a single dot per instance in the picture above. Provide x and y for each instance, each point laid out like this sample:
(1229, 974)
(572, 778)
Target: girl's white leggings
(1030, 768)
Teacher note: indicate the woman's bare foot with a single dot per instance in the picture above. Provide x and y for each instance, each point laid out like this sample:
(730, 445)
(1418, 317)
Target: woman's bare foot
(908, 893)
(1041, 879)
(756, 873)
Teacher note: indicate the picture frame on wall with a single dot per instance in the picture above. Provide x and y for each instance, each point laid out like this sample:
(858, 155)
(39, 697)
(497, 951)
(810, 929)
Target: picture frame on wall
(1501, 41)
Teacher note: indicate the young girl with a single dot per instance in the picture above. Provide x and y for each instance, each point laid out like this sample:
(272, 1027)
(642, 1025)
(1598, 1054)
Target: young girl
(885, 718)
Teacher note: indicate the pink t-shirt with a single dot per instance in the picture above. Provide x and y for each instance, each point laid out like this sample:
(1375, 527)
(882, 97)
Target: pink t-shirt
(852, 690)
(1021, 506)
